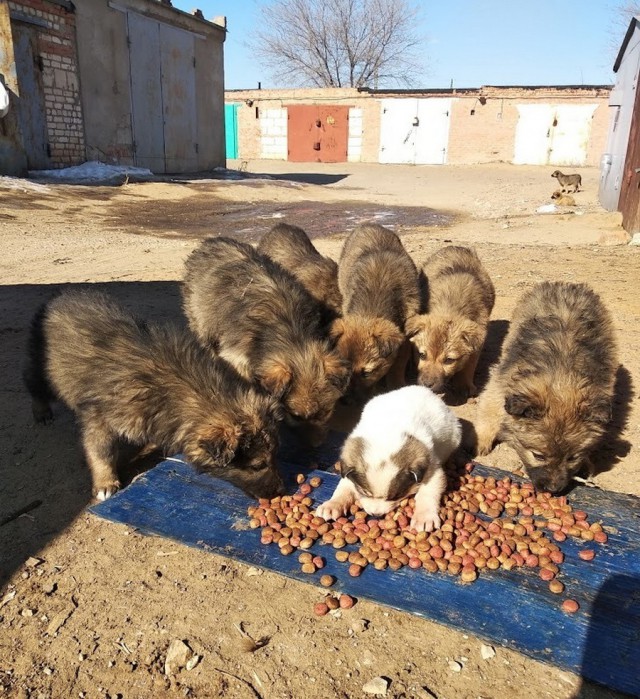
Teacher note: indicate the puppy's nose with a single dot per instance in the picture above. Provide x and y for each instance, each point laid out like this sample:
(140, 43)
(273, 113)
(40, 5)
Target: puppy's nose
(553, 481)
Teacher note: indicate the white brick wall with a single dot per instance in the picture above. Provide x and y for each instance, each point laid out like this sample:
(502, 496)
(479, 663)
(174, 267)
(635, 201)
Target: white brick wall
(273, 134)
(354, 145)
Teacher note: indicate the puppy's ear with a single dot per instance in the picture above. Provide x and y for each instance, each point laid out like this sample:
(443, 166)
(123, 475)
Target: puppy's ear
(275, 377)
(336, 330)
(521, 406)
(388, 337)
(598, 412)
(220, 442)
(473, 336)
(337, 371)
(414, 325)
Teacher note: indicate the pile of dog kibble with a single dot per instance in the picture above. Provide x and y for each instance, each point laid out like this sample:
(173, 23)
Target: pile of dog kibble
(486, 524)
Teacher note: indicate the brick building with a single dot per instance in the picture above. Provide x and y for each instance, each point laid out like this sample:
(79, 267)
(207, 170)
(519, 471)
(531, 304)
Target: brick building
(40, 69)
(137, 82)
(556, 125)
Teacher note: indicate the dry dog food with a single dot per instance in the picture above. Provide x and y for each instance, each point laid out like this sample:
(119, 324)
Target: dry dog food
(487, 524)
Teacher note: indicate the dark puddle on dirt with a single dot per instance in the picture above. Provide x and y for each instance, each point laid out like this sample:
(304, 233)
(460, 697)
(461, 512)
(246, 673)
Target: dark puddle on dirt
(202, 216)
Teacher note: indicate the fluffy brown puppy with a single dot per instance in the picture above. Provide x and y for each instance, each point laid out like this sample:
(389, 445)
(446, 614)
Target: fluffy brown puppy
(290, 247)
(563, 199)
(448, 339)
(550, 395)
(264, 322)
(127, 381)
(380, 290)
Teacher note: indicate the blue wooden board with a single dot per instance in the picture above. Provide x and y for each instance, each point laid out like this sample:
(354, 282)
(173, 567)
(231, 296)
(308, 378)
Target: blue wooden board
(512, 608)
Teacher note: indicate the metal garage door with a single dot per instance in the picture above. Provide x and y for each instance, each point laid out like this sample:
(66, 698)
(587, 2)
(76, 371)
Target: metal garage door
(163, 95)
(415, 131)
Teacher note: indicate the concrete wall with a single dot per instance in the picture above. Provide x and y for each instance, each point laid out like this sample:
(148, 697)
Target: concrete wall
(482, 125)
(106, 85)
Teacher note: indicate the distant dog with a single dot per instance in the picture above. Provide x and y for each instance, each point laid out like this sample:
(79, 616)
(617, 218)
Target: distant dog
(129, 382)
(448, 339)
(568, 181)
(290, 246)
(263, 321)
(396, 450)
(550, 395)
(380, 290)
(563, 199)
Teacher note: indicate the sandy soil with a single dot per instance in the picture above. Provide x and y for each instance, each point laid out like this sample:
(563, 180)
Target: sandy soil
(89, 608)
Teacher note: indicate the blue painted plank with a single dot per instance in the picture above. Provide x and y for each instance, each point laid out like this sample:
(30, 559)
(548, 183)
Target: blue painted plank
(512, 608)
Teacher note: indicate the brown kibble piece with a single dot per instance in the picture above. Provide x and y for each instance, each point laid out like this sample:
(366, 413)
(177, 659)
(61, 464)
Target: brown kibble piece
(315, 481)
(600, 537)
(320, 609)
(308, 568)
(300, 478)
(355, 570)
(327, 580)
(331, 602)
(305, 557)
(587, 554)
(346, 601)
(570, 606)
(556, 587)
(342, 556)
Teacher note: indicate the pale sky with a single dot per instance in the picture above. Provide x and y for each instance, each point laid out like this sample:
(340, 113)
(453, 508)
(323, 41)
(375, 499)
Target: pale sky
(469, 42)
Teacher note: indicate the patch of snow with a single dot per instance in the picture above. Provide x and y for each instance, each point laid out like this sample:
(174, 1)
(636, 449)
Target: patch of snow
(94, 172)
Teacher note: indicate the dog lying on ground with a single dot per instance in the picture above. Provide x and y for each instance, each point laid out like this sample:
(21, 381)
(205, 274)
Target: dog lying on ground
(258, 317)
(550, 395)
(448, 339)
(397, 450)
(290, 247)
(144, 384)
(563, 199)
(380, 290)
(568, 181)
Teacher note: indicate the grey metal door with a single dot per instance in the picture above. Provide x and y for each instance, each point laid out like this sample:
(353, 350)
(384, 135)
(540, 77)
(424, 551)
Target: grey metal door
(177, 49)
(31, 105)
(163, 95)
(146, 92)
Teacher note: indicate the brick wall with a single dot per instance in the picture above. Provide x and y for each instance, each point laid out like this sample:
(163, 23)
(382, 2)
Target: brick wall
(482, 124)
(56, 32)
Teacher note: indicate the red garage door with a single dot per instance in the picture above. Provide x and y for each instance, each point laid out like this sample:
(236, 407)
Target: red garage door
(317, 134)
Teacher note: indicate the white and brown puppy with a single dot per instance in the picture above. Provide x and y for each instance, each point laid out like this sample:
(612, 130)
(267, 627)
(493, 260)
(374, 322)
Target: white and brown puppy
(397, 450)
(550, 396)
(252, 312)
(143, 384)
(380, 290)
(290, 247)
(448, 339)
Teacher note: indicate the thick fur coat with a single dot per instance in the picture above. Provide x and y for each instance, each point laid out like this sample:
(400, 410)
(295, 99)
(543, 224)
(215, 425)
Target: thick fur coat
(551, 393)
(448, 339)
(380, 290)
(146, 384)
(258, 317)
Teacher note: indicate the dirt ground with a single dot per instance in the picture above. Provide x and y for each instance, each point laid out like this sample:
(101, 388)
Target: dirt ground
(88, 608)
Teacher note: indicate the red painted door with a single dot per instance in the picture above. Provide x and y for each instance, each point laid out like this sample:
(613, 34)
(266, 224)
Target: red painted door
(317, 134)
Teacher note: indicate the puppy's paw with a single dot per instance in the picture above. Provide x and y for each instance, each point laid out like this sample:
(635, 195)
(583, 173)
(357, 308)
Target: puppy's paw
(332, 509)
(425, 520)
(102, 492)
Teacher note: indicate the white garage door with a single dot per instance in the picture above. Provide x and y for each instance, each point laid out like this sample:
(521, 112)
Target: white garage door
(414, 131)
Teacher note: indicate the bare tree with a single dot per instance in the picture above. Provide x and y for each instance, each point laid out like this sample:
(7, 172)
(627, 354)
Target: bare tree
(624, 12)
(340, 43)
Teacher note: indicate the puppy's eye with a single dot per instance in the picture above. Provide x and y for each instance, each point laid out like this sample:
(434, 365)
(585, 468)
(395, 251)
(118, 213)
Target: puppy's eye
(450, 360)
(537, 456)
(422, 355)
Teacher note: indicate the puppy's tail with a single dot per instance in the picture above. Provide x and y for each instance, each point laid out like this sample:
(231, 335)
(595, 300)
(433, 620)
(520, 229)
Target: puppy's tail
(34, 373)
